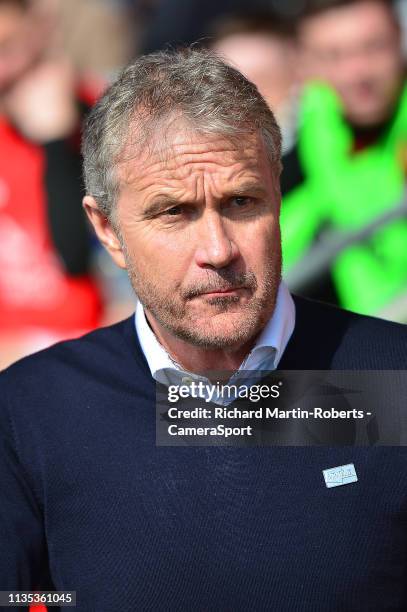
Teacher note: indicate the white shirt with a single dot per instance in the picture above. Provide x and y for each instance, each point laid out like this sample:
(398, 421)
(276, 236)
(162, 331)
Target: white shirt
(264, 356)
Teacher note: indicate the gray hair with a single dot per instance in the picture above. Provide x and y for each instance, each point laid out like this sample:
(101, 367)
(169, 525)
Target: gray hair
(192, 83)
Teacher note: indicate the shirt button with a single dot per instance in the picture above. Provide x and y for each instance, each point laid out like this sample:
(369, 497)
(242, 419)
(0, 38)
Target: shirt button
(186, 380)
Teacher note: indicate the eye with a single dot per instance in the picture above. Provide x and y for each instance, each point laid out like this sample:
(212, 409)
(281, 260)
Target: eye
(241, 201)
(173, 211)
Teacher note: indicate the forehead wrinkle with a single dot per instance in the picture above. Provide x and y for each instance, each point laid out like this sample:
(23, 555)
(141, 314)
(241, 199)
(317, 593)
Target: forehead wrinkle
(191, 182)
(183, 175)
(140, 178)
(204, 190)
(197, 160)
(181, 152)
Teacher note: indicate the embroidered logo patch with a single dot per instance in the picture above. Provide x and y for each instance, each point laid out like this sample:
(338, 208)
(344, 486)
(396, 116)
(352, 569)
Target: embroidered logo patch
(341, 475)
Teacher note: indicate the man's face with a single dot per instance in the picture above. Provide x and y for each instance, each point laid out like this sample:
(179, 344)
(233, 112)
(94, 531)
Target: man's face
(357, 50)
(198, 219)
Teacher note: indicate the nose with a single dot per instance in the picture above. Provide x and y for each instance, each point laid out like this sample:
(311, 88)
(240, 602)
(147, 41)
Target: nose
(215, 248)
(355, 66)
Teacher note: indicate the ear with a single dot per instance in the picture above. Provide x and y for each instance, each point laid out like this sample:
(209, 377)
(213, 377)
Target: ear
(104, 231)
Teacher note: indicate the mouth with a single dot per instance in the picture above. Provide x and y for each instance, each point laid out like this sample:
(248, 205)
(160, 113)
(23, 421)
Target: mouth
(223, 292)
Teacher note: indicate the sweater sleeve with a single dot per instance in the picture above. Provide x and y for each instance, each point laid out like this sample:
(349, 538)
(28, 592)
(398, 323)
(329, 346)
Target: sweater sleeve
(23, 550)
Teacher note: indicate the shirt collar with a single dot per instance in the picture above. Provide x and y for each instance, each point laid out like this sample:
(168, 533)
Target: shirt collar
(265, 355)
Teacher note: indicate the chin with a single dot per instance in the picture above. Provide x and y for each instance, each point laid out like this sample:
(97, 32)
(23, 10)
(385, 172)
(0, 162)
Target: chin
(220, 331)
(369, 116)
(213, 342)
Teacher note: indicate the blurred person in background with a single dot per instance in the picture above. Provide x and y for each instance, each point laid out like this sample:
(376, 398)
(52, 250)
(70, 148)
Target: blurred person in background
(99, 36)
(46, 290)
(351, 150)
(261, 46)
(176, 22)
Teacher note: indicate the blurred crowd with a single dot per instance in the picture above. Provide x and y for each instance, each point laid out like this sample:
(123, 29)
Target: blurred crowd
(333, 71)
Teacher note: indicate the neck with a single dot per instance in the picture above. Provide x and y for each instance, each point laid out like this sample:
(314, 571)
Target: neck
(197, 359)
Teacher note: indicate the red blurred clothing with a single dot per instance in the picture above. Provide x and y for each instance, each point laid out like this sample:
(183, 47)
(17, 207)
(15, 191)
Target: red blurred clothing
(37, 293)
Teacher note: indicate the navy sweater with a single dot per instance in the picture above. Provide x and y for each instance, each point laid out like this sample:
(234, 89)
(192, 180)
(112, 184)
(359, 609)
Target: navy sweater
(90, 503)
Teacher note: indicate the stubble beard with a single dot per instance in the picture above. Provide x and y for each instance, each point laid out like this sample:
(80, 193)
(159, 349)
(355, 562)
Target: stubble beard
(205, 333)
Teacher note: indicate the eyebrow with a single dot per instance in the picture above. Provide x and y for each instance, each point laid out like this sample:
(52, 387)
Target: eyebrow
(161, 202)
(250, 187)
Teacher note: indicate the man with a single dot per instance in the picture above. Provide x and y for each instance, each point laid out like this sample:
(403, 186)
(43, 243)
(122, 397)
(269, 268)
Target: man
(351, 149)
(355, 45)
(182, 165)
